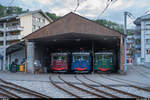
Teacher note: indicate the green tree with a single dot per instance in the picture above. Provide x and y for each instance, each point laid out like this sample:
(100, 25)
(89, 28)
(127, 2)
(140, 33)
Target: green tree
(110, 24)
(53, 16)
(6, 11)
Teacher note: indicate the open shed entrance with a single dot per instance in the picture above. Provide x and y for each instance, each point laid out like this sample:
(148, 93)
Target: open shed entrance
(70, 43)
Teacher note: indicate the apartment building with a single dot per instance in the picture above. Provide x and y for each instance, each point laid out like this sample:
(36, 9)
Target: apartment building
(130, 44)
(143, 29)
(19, 26)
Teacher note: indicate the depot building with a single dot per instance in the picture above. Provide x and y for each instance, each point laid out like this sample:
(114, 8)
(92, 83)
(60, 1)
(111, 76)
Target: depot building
(74, 36)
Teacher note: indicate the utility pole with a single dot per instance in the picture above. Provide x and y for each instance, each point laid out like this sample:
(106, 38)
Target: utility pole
(125, 44)
(4, 47)
(4, 43)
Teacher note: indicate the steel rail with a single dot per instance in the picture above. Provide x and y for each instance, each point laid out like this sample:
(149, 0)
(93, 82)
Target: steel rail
(119, 91)
(98, 90)
(65, 90)
(6, 95)
(139, 72)
(26, 90)
(19, 90)
(81, 89)
(137, 87)
(10, 93)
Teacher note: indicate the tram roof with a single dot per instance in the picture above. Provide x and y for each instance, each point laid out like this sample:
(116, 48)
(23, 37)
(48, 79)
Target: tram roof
(103, 53)
(72, 24)
(59, 54)
(80, 53)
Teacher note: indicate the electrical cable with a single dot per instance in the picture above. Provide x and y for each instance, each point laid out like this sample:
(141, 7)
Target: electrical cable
(78, 3)
(10, 3)
(108, 4)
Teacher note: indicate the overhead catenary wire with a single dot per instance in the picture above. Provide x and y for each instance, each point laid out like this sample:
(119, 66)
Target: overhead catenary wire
(108, 4)
(131, 16)
(11, 2)
(78, 4)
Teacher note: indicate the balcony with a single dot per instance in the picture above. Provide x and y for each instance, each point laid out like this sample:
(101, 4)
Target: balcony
(12, 28)
(1, 48)
(129, 37)
(137, 37)
(137, 46)
(12, 37)
(130, 41)
(138, 29)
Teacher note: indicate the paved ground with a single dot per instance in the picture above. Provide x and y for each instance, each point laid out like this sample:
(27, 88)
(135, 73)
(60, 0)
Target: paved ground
(138, 75)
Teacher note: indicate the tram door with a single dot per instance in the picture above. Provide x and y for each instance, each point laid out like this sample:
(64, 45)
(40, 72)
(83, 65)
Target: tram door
(103, 62)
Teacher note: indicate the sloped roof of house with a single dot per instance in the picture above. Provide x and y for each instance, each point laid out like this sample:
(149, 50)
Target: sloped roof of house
(24, 14)
(73, 23)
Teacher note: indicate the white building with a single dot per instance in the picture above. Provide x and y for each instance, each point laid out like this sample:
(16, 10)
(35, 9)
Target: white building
(143, 25)
(130, 43)
(17, 27)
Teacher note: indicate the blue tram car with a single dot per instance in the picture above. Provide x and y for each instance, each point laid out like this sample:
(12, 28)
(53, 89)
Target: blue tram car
(81, 62)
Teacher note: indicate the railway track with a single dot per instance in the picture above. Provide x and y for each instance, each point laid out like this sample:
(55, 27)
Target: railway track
(139, 72)
(131, 85)
(4, 95)
(63, 89)
(115, 90)
(131, 81)
(75, 91)
(97, 90)
(10, 90)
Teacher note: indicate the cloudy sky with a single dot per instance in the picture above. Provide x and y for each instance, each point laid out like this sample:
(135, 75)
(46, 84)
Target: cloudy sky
(88, 8)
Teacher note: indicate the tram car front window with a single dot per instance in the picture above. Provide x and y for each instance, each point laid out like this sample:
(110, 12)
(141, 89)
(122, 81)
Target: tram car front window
(80, 62)
(59, 62)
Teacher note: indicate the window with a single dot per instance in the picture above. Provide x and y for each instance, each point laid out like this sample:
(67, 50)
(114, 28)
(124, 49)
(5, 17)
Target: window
(148, 41)
(85, 58)
(148, 51)
(39, 20)
(15, 24)
(99, 57)
(1, 34)
(76, 58)
(59, 57)
(107, 56)
(34, 27)
(43, 20)
(1, 43)
(147, 26)
(36, 19)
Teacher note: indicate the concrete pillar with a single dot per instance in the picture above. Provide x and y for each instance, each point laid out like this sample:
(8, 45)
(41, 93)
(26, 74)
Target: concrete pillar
(30, 57)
